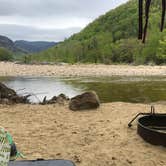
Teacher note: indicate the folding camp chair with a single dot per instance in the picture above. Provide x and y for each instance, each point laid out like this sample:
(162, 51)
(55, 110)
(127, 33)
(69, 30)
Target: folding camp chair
(4, 148)
(42, 163)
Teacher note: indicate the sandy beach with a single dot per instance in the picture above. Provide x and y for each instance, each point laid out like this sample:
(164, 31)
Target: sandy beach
(89, 138)
(12, 69)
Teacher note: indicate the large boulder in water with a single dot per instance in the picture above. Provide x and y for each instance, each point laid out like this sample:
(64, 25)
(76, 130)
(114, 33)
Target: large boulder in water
(87, 100)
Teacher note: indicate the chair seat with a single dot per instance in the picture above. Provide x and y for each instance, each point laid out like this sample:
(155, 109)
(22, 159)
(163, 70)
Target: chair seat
(42, 163)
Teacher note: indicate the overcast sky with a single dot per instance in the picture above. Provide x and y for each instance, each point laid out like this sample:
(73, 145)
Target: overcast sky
(49, 20)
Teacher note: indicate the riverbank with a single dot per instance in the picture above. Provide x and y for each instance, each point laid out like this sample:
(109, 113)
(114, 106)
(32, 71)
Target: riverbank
(89, 138)
(65, 70)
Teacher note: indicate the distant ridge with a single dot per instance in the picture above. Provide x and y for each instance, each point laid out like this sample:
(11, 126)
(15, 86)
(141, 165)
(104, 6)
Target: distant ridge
(22, 46)
(34, 46)
(7, 43)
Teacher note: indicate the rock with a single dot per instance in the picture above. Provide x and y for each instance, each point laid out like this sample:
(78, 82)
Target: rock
(9, 96)
(6, 92)
(87, 100)
(61, 99)
(63, 96)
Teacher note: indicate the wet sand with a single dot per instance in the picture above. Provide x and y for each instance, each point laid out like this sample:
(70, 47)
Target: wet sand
(89, 138)
(12, 69)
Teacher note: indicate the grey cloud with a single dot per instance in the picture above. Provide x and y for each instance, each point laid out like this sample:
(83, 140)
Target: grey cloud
(44, 8)
(16, 32)
(15, 14)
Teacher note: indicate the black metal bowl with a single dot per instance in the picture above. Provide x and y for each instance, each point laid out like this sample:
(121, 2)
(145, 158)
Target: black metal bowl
(152, 129)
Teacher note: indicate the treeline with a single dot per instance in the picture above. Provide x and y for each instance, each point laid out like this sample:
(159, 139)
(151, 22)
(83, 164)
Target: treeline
(112, 38)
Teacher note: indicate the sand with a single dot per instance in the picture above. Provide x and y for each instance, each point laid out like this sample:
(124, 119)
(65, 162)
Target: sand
(89, 138)
(12, 69)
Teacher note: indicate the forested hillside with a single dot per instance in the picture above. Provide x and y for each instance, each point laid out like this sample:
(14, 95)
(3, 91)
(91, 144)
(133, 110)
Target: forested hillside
(8, 50)
(8, 44)
(112, 38)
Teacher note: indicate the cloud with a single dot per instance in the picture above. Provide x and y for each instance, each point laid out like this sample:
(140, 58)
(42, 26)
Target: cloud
(17, 32)
(44, 8)
(40, 19)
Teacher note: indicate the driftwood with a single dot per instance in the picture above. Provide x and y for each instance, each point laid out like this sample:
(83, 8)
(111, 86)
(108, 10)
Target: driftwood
(9, 96)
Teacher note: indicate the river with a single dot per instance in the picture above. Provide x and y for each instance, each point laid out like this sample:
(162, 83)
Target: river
(110, 89)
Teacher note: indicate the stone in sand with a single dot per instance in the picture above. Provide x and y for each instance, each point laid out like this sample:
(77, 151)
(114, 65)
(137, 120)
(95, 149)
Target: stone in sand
(87, 100)
(61, 99)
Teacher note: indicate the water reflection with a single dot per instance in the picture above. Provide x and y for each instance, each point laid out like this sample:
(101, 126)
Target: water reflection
(126, 89)
(39, 87)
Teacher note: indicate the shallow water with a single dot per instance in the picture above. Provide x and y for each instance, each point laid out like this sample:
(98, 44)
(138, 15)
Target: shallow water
(109, 89)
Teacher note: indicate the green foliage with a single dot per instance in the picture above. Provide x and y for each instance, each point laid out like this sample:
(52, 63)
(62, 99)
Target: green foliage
(161, 51)
(112, 38)
(5, 55)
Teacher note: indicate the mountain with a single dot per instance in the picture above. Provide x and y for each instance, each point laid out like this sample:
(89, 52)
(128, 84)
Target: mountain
(112, 38)
(22, 46)
(8, 44)
(35, 46)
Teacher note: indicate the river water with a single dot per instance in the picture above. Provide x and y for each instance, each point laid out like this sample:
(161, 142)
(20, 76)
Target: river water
(110, 89)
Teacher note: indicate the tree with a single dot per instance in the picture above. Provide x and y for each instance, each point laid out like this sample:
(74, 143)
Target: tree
(5, 55)
(161, 52)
